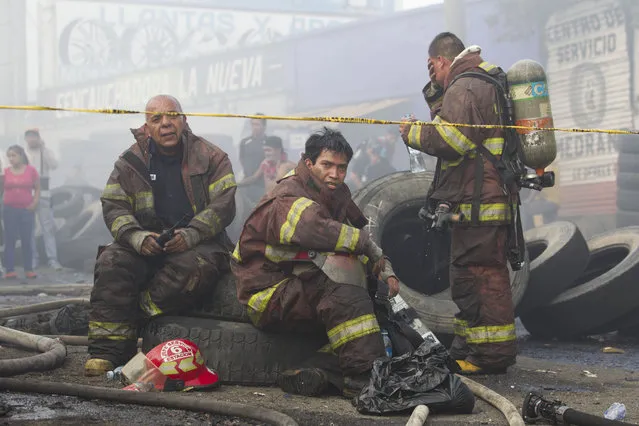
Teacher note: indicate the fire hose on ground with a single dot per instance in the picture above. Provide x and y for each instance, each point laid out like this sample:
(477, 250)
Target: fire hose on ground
(41, 307)
(154, 399)
(53, 353)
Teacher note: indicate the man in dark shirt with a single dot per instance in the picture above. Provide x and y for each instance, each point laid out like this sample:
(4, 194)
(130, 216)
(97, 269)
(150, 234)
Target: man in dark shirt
(171, 202)
(378, 165)
(168, 175)
(252, 154)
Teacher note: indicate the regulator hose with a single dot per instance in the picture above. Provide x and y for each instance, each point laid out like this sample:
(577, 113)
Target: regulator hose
(513, 417)
(155, 399)
(41, 307)
(575, 417)
(54, 353)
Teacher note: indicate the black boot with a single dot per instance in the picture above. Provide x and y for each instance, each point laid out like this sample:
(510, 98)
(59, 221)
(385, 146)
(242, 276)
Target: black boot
(303, 381)
(353, 385)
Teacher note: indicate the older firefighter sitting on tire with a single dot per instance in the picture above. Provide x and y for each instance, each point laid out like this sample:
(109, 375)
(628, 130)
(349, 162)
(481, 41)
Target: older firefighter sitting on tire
(167, 204)
(470, 184)
(299, 265)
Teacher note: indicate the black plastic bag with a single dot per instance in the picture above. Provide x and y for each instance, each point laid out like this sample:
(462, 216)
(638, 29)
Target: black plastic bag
(421, 377)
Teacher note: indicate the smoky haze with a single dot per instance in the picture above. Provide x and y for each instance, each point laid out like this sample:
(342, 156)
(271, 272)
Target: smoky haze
(330, 58)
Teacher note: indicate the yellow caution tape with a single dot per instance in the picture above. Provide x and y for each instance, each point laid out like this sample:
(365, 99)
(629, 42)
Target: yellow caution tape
(352, 120)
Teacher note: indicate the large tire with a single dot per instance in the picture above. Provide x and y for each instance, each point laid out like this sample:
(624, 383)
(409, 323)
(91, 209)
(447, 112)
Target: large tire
(558, 256)
(224, 304)
(628, 181)
(625, 218)
(86, 223)
(605, 291)
(628, 144)
(628, 163)
(401, 195)
(240, 353)
(66, 201)
(628, 200)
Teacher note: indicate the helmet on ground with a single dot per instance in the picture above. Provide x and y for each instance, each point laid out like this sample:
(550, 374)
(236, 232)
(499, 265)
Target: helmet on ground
(183, 364)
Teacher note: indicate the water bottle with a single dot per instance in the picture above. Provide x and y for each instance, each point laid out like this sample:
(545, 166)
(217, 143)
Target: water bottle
(388, 345)
(616, 411)
(115, 374)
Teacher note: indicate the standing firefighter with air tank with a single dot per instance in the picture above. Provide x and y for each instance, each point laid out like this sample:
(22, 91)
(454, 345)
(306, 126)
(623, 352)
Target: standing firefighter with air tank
(479, 172)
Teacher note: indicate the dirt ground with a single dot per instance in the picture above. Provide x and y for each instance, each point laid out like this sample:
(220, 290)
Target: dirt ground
(554, 368)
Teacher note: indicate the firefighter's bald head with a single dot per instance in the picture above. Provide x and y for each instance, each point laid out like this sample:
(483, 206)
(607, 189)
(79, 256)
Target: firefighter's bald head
(163, 125)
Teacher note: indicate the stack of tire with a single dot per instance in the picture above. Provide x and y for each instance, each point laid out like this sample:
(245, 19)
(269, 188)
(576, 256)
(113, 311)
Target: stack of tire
(569, 287)
(628, 181)
(244, 355)
(80, 225)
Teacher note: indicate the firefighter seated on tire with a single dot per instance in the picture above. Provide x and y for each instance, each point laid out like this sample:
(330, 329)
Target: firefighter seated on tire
(484, 328)
(310, 215)
(169, 178)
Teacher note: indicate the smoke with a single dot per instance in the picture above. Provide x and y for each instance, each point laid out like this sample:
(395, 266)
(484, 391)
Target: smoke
(334, 62)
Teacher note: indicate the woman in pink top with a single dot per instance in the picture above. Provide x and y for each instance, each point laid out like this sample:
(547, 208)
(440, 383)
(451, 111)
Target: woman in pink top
(21, 187)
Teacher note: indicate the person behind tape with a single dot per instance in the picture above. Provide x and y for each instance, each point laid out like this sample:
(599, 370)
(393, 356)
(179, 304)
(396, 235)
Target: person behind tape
(484, 328)
(309, 211)
(168, 177)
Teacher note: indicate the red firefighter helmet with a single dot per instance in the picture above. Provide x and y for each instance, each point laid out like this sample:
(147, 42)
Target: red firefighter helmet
(182, 362)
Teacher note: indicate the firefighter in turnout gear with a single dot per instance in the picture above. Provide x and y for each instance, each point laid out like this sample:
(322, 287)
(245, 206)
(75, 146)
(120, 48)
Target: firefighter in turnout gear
(480, 284)
(310, 214)
(168, 180)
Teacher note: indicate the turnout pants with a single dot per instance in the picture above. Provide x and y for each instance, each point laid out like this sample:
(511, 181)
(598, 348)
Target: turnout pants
(480, 285)
(344, 312)
(130, 288)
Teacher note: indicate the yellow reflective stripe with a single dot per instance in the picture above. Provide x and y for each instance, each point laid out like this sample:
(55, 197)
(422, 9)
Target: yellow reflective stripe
(459, 327)
(148, 306)
(348, 238)
(115, 192)
(487, 212)
(447, 164)
(352, 329)
(277, 254)
(169, 368)
(236, 253)
(221, 185)
(363, 258)
(187, 364)
(453, 137)
(415, 137)
(257, 303)
(494, 145)
(289, 174)
(292, 218)
(121, 221)
(487, 66)
(327, 348)
(143, 200)
(491, 334)
(210, 219)
(111, 331)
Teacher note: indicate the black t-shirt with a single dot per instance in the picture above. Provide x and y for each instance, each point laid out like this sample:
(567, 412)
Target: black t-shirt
(251, 154)
(171, 202)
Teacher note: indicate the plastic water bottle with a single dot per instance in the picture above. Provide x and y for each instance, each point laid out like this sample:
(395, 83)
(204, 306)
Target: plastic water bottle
(388, 345)
(616, 411)
(115, 374)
